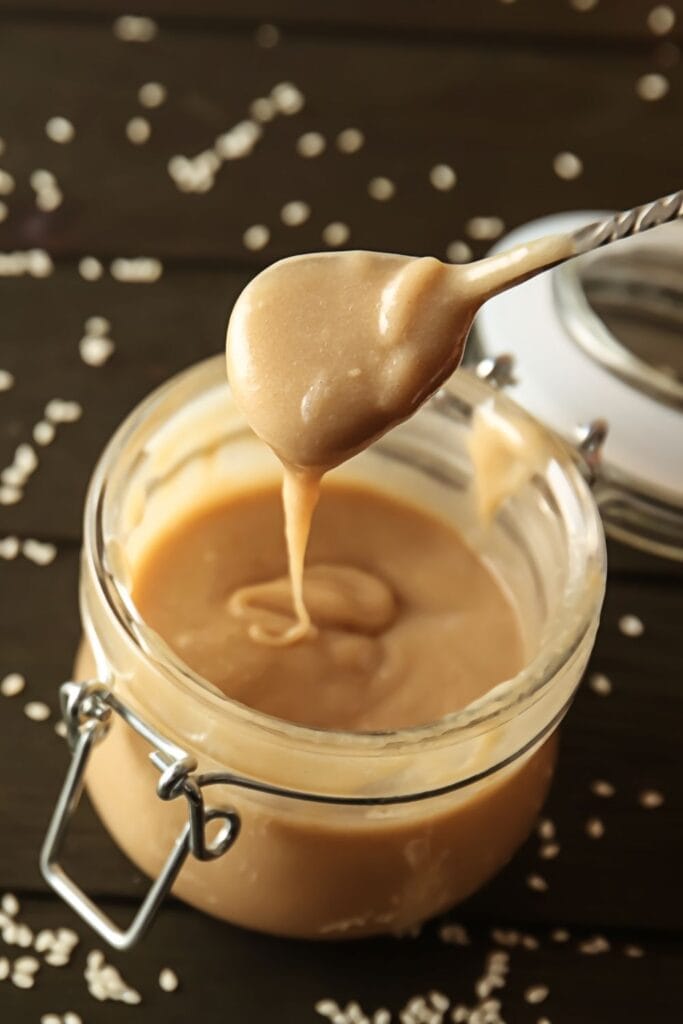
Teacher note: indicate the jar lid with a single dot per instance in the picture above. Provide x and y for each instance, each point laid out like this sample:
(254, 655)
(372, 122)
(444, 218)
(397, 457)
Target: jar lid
(601, 337)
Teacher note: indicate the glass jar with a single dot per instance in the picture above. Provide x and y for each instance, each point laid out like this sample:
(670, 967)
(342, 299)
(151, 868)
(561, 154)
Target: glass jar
(324, 834)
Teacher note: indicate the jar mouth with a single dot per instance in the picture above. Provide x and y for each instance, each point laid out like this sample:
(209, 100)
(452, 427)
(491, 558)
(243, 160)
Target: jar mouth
(582, 598)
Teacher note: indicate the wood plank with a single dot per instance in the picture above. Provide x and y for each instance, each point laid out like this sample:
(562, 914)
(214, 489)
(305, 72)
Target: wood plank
(609, 19)
(498, 114)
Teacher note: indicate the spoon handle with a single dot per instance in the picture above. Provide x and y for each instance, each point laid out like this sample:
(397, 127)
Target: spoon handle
(630, 222)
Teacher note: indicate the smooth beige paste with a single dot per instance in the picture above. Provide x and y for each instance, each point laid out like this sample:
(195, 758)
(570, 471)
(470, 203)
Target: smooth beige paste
(409, 624)
(326, 352)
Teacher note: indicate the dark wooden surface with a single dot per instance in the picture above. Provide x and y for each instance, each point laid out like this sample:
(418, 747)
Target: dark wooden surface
(496, 90)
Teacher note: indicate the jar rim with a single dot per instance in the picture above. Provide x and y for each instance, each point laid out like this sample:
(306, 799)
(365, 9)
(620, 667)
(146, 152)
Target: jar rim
(581, 603)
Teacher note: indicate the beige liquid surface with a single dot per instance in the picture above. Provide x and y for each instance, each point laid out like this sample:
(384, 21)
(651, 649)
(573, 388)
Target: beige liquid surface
(407, 624)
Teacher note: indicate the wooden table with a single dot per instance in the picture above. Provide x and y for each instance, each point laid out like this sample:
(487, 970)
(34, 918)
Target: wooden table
(495, 90)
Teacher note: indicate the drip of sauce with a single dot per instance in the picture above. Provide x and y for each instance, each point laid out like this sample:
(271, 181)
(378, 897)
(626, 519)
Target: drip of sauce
(326, 352)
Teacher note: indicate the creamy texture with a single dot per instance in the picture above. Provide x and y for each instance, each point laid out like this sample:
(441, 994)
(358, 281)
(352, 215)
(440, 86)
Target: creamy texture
(326, 352)
(403, 613)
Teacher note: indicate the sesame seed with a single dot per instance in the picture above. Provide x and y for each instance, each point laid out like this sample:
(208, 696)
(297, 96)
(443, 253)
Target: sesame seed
(594, 946)
(90, 268)
(537, 883)
(27, 965)
(131, 28)
(652, 87)
(37, 711)
(6, 183)
(460, 1014)
(288, 99)
(24, 936)
(6, 380)
(295, 213)
(536, 994)
(4, 968)
(350, 140)
(439, 1001)
(140, 270)
(38, 552)
(545, 829)
(256, 237)
(60, 129)
(595, 828)
(60, 729)
(95, 351)
(630, 625)
(454, 935)
(336, 233)
(152, 95)
(381, 189)
(582, 6)
(381, 1016)
(602, 788)
(567, 166)
(50, 1018)
(59, 411)
(326, 1007)
(9, 933)
(543, 1020)
(549, 851)
(138, 130)
(71, 1018)
(661, 19)
(650, 798)
(68, 937)
(600, 684)
(43, 433)
(530, 942)
(484, 229)
(508, 937)
(634, 952)
(168, 980)
(262, 109)
(10, 495)
(22, 980)
(267, 36)
(44, 940)
(458, 252)
(11, 686)
(49, 199)
(310, 144)
(443, 177)
(10, 904)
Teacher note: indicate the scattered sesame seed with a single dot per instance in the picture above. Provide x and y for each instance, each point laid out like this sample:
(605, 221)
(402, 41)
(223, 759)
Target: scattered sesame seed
(600, 684)
(130, 28)
(595, 828)
(652, 87)
(295, 213)
(138, 130)
(545, 829)
(634, 952)
(567, 166)
(530, 942)
(60, 129)
(94, 350)
(6, 183)
(39, 552)
(439, 1001)
(22, 980)
(537, 883)
(26, 965)
(50, 1018)
(508, 937)
(152, 95)
(44, 940)
(454, 935)
(336, 233)
(267, 36)
(310, 144)
(10, 495)
(4, 968)
(9, 548)
(650, 798)
(140, 270)
(661, 19)
(484, 229)
(350, 140)
(71, 1018)
(602, 788)
(11, 686)
(536, 994)
(10, 904)
(168, 980)
(630, 625)
(6, 380)
(49, 199)
(59, 411)
(60, 729)
(583, 5)
(381, 189)
(549, 851)
(326, 1007)
(34, 262)
(37, 711)
(543, 1020)
(24, 937)
(43, 433)
(262, 109)
(41, 179)
(9, 933)
(594, 946)
(288, 99)
(90, 268)
(443, 177)
(381, 1016)
(256, 237)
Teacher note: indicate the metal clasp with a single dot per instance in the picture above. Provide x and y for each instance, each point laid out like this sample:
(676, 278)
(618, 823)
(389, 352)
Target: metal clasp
(87, 709)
